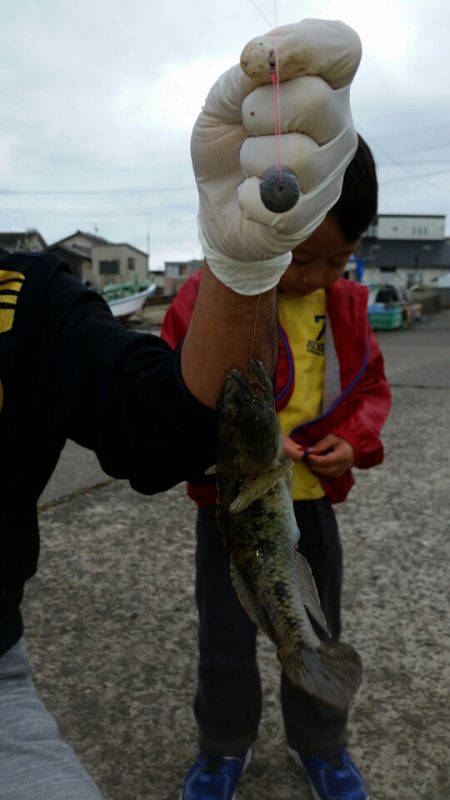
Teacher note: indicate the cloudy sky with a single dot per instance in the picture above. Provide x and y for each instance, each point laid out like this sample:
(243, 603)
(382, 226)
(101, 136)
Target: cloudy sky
(99, 97)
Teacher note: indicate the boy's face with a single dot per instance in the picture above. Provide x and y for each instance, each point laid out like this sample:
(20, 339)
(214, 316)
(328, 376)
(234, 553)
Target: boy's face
(318, 261)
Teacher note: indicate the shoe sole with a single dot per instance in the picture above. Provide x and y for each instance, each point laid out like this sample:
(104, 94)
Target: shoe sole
(248, 758)
(295, 756)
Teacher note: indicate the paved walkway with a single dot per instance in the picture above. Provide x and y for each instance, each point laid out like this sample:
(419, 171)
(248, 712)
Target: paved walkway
(111, 621)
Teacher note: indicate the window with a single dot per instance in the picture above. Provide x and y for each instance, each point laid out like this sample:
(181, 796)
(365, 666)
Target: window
(131, 263)
(109, 267)
(388, 269)
(172, 271)
(425, 230)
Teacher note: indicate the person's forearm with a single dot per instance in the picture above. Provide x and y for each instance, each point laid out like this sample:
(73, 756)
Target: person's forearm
(225, 332)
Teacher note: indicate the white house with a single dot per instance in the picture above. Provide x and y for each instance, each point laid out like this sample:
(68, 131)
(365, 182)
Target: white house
(411, 248)
(176, 274)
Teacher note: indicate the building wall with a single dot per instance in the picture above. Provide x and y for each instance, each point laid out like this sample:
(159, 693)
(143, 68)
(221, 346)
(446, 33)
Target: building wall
(176, 274)
(158, 279)
(405, 276)
(173, 285)
(119, 257)
(33, 242)
(80, 265)
(411, 228)
(86, 272)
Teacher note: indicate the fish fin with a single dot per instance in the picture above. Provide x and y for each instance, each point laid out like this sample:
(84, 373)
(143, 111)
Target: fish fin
(309, 591)
(254, 488)
(332, 673)
(211, 470)
(255, 611)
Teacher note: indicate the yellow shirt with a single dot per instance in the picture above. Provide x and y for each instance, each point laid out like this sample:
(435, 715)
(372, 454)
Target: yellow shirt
(303, 318)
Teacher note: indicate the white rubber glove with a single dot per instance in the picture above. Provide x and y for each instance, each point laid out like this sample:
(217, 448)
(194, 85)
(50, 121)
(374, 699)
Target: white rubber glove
(248, 247)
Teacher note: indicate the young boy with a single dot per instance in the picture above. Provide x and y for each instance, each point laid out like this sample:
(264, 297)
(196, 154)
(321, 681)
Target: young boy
(332, 399)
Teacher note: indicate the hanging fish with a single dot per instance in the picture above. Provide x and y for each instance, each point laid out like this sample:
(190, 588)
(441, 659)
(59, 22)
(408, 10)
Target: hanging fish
(273, 581)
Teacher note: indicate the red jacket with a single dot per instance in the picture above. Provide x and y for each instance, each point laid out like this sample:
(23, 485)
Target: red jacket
(357, 398)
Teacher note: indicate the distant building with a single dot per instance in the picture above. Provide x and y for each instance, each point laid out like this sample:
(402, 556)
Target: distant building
(106, 262)
(76, 249)
(29, 240)
(80, 263)
(118, 263)
(82, 242)
(176, 274)
(157, 277)
(406, 249)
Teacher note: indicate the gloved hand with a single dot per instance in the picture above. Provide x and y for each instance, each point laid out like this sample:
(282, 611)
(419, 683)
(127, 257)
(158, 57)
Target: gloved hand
(246, 246)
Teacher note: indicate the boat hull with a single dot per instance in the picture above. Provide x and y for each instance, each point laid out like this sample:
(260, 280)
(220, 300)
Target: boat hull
(125, 307)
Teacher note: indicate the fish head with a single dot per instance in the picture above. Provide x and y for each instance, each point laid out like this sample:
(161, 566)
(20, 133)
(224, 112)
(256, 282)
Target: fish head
(249, 432)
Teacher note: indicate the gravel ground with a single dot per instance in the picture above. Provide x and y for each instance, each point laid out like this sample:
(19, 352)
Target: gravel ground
(112, 631)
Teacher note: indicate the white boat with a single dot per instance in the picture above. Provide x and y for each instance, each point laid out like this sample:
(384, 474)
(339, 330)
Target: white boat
(124, 307)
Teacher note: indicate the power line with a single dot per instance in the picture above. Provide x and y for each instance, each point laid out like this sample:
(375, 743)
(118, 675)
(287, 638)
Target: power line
(261, 13)
(88, 170)
(98, 213)
(411, 177)
(94, 192)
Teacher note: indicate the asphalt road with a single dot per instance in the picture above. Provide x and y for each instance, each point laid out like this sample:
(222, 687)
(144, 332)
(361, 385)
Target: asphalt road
(111, 618)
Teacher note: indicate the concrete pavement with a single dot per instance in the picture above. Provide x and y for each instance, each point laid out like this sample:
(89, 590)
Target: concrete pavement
(111, 618)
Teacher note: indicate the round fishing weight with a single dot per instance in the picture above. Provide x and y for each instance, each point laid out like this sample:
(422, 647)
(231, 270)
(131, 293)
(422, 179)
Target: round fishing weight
(279, 189)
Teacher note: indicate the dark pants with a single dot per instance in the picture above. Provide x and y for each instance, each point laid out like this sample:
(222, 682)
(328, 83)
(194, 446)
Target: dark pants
(228, 701)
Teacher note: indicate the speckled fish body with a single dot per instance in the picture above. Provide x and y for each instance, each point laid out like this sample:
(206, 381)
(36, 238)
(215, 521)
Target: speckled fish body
(256, 518)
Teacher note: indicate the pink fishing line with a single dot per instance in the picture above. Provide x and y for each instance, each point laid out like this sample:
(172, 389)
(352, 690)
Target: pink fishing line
(275, 77)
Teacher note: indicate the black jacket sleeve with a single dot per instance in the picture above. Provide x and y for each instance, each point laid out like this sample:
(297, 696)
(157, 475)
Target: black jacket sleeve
(121, 394)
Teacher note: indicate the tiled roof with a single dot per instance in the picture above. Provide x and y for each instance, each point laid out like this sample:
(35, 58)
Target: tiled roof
(70, 251)
(93, 238)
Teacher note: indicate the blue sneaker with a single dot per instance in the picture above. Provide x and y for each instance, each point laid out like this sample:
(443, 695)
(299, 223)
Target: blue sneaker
(334, 778)
(214, 778)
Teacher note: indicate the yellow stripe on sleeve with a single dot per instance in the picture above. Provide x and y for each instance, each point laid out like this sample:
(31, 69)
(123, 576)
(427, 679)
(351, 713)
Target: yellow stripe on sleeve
(11, 286)
(12, 281)
(8, 275)
(8, 298)
(6, 319)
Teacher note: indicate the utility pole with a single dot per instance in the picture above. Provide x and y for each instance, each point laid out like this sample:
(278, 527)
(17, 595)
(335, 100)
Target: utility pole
(148, 241)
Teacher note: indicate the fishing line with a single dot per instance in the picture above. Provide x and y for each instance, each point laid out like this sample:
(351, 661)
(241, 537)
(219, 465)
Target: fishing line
(274, 62)
(255, 325)
(274, 71)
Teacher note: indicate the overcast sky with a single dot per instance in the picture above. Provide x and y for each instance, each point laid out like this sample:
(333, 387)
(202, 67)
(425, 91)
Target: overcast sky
(99, 98)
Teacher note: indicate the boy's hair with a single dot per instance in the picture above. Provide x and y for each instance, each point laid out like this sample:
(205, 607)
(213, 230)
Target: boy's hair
(357, 205)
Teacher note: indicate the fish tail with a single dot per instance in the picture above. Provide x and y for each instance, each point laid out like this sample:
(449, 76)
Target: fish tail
(332, 673)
